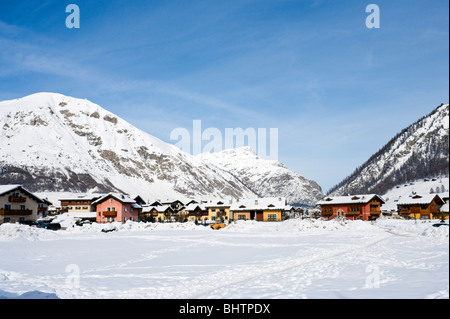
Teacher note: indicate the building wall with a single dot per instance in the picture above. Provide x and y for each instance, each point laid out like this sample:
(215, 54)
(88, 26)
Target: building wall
(124, 211)
(353, 211)
(418, 211)
(81, 206)
(212, 212)
(29, 204)
(266, 215)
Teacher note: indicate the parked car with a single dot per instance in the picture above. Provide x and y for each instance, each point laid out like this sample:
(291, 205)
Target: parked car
(48, 225)
(440, 224)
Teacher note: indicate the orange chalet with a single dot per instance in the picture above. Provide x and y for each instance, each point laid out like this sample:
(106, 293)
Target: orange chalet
(363, 207)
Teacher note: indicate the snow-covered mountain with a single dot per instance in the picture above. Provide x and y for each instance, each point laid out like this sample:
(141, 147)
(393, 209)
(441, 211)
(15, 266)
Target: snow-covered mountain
(54, 143)
(419, 151)
(268, 178)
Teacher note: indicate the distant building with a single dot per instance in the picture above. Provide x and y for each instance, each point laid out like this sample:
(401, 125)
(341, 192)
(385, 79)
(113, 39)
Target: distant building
(363, 207)
(219, 209)
(196, 212)
(20, 205)
(158, 213)
(421, 206)
(269, 209)
(116, 207)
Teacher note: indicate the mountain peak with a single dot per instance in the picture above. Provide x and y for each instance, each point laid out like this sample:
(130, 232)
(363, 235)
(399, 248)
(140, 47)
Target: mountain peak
(57, 143)
(418, 151)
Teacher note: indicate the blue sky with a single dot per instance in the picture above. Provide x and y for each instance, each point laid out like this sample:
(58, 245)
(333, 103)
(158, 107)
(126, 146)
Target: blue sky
(336, 90)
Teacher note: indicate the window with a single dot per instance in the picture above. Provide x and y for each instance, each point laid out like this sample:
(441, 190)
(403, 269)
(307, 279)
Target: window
(271, 217)
(242, 217)
(22, 207)
(7, 206)
(111, 200)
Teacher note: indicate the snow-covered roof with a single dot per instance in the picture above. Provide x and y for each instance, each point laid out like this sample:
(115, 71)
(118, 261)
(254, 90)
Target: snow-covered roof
(82, 197)
(159, 209)
(418, 199)
(80, 214)
(193, 206)
(352, 199)
(8, 188)
(445, 208)
(268, 203)
(219, 203)
(120, 197)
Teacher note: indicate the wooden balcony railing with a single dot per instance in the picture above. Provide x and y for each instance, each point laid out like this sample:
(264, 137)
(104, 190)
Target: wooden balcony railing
(17, 199)
(15, 211)
(109, 213)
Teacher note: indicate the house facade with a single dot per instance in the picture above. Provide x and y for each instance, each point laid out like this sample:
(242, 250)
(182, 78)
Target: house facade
(158, 213)
(269, 209)
(421, 206)
(115, 207)
(363, 207)
(79, 204)
(219, 210)
(196, 212)
(20, 205)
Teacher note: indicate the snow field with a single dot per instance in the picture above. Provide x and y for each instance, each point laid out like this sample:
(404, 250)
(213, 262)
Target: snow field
(291, 259)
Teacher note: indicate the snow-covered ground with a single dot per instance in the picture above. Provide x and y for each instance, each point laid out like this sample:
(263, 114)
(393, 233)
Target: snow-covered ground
(291, 259)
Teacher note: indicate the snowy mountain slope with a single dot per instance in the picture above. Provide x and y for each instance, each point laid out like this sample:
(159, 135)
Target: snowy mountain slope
(423, 186)
(268, 178)
(419, 151)
(54, 143)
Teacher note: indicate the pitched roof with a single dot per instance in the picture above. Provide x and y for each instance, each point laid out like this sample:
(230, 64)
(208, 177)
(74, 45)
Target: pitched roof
(419, 199)
(268, 203)
(193, 206)
(82, 197)
(352, 199)
(9, 188)
(120, 197)
(219, 203)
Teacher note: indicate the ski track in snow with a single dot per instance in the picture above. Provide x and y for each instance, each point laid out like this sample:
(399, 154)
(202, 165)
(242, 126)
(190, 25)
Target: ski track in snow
(230, 264)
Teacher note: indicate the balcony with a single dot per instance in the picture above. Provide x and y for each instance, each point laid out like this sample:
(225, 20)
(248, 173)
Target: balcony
(109, 213)
(17, 199)
(15, 211)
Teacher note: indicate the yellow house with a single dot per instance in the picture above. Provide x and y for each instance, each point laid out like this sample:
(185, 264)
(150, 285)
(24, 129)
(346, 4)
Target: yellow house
(259, 209)
(219, 209)
(160, 213)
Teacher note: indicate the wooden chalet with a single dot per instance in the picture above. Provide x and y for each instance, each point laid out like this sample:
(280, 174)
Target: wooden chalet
(363, 207)
(421, 206)
(196, 212)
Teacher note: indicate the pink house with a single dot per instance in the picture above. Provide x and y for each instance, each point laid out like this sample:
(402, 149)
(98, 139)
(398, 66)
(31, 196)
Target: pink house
(115, 207)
